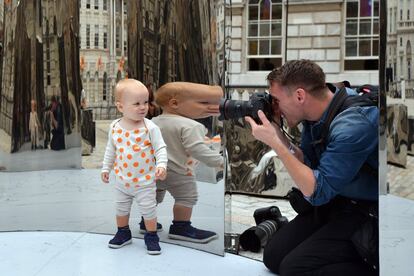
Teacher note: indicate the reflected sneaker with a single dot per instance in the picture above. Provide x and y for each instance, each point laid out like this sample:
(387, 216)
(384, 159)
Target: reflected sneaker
(182, 230)
(152, 240)
(122, 237)
(142, 228)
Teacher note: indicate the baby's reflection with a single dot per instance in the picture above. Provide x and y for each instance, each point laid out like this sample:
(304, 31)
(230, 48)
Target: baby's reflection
(182, 102)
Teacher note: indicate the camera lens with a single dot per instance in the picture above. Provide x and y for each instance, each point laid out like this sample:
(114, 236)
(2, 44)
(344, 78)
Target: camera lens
(232, 109)
(254, 238)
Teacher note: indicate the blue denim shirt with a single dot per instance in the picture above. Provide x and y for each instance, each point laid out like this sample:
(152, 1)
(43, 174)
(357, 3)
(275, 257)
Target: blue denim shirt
(352, 141)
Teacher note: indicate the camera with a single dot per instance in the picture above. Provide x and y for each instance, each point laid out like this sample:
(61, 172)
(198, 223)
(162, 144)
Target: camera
(268, 221)
(234, 109)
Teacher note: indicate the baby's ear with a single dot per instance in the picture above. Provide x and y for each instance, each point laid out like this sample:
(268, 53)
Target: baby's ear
(118, 105)
(173, 103)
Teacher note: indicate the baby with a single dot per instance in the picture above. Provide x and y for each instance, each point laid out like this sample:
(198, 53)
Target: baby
(137, 153)
(181, 103)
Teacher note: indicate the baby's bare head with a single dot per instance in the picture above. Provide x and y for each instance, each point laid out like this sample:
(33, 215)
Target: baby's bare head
(186, 90)
(128, 86)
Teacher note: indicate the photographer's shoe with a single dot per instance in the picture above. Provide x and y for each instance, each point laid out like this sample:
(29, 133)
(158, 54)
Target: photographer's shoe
(142, 228)
(122, 237)
(152, 240)
(182, 230)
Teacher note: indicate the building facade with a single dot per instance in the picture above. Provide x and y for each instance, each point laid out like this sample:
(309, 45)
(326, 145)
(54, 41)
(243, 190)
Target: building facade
(400, 36)
(103, 52)
(341, 36)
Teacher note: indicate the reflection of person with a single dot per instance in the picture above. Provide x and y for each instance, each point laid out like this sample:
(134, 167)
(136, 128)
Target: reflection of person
(34, 125)
(319, 241)
(46, 127)
(56, 118)
(181, 103)
(137, 152)
(83, 99)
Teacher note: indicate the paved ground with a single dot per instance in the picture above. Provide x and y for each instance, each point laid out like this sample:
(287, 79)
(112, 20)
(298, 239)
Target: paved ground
(401, 180)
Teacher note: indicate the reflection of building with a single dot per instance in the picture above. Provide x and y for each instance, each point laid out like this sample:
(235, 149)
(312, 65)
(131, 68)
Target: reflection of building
(172, 40)
(1, 21)
(219, 10)
(158, 34)
(103, 53)
(40, 49)
(400, 32)
(341, 36)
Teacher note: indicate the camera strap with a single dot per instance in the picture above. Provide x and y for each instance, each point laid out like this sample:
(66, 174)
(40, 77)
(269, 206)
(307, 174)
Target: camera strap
(341, 102)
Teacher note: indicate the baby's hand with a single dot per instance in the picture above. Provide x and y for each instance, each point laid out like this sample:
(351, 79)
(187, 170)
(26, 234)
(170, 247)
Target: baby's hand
(160, 173)
(105, 177)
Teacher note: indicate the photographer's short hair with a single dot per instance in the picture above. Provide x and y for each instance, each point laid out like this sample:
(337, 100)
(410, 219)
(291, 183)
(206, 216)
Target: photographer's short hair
(299, 73)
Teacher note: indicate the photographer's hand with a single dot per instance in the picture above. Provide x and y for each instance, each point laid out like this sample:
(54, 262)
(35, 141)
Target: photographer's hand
(266, 132)
(301, 174)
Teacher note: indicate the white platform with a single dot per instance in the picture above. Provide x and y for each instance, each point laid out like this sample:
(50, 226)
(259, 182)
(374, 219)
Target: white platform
(396, 235)
(77, 201)
(70, 254)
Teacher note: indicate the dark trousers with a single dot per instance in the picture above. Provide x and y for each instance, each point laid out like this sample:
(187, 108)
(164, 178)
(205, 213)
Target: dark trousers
(318, 243)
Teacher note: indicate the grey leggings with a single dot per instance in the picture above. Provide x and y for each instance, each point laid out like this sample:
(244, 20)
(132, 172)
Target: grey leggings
(144, 197)
(182, 188)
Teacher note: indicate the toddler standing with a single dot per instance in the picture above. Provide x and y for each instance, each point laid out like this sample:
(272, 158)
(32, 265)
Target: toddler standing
(137, 153)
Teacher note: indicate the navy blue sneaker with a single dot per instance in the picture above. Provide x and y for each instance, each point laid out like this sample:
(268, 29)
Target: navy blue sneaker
(142, 228)
(122, 237)
(152, 240)
(182, 230)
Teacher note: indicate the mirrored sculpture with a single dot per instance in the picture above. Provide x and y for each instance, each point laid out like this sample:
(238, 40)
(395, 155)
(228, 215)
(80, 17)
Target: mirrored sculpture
(41, 101)
(40, 86)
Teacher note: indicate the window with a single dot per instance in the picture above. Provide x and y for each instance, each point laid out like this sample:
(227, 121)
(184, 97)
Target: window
(401, 15)
(118, 5)
(409, 58)
(96, 44)
(408, 14)
(362, 35)
(105, 37)
(401, 42)
(88, 4)
(125, 47)
(118, 37)
(96, 84)
(105, 5)
(88, 36)
(96, 5)
(264, 34)
(104, 90)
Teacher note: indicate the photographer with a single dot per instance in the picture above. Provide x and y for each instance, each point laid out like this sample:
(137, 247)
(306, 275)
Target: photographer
(319, 241)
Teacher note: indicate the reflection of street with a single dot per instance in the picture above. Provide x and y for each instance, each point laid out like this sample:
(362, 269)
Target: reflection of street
(408, 102)
(40, 159)
(401, 180)
(94, 160)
